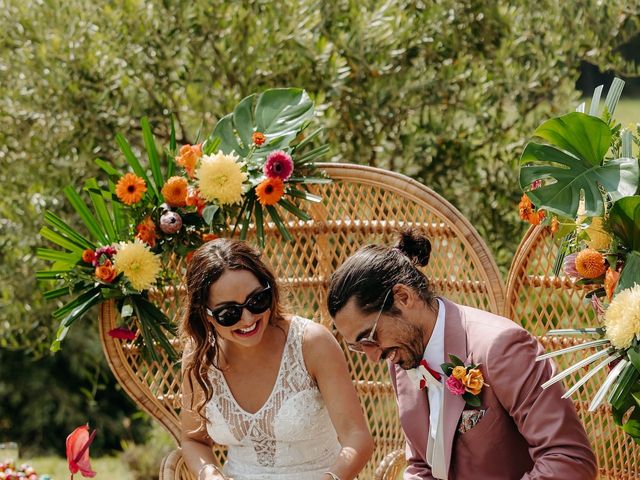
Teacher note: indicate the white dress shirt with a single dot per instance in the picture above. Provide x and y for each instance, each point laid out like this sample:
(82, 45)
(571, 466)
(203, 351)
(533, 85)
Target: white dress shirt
(434, 355)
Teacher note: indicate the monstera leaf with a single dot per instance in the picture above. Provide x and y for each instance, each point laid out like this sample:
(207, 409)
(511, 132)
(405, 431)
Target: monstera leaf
(624, 221)
(567, 154)
(277, 113)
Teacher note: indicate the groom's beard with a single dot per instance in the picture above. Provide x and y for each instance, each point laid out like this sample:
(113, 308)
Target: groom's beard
(409, 349)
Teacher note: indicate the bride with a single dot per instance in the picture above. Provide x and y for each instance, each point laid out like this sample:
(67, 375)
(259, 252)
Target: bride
(273, 388)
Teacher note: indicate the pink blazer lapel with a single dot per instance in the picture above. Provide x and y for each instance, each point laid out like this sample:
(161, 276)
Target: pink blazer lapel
(413, 406)
(455, 342)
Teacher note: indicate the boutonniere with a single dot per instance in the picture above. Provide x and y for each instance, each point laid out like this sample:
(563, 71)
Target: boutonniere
(464, 380)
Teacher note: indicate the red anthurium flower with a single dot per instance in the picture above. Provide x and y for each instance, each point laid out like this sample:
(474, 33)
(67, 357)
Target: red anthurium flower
(78, 451)
(122, 333)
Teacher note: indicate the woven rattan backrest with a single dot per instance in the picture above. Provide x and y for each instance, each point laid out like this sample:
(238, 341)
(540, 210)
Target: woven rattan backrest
(540, 301)
(364, 205)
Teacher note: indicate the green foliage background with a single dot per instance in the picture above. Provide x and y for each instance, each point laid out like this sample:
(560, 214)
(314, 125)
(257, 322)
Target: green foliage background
(444, 91)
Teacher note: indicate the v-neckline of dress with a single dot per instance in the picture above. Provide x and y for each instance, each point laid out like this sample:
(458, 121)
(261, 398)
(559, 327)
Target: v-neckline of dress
(275, 384)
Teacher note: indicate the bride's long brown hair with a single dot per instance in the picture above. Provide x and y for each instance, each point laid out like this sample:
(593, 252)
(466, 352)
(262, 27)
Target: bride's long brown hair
(207, 265)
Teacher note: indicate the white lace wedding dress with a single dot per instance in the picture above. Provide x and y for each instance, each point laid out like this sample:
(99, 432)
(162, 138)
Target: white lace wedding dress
(290, 438)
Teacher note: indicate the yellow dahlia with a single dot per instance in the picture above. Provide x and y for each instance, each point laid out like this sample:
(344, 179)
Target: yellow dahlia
(590, 263)
(221, 179)
(622, 318)
(139, 264)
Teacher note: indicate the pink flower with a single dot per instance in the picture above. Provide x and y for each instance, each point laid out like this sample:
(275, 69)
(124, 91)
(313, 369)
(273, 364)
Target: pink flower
(569, 266)
(278, 165)
(455, 386)
(108, 252)
(122, 333)
(78, 451)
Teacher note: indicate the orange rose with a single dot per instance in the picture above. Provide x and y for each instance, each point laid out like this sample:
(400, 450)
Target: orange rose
(106, 272)
(188, 157)
(610, 281)
(459, 373)
(473, 381)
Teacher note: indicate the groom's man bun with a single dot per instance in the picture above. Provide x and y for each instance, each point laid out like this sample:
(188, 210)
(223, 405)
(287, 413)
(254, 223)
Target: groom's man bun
(413, 242)
(373, 270)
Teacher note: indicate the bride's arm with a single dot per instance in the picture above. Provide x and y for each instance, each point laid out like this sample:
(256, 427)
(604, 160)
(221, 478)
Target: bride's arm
(326, 364)
(195, 442)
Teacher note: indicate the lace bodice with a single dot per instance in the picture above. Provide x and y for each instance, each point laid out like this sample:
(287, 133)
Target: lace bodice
(290, 437)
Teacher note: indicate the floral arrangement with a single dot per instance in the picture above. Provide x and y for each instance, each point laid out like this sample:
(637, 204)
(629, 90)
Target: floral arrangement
(465, 380)
(580, 178)
(257, 161)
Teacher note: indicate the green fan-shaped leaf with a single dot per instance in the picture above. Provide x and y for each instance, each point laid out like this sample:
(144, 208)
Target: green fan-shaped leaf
(567, 154)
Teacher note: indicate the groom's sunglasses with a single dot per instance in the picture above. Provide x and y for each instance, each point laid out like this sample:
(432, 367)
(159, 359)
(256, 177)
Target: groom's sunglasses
(229, 314)
(368, 341)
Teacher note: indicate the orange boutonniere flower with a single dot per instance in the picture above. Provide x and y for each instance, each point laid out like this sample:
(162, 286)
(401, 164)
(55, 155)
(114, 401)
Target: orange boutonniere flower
(130, 189)
(467, 381)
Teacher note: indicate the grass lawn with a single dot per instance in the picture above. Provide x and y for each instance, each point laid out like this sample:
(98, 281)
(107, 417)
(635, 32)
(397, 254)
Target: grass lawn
(106, 468)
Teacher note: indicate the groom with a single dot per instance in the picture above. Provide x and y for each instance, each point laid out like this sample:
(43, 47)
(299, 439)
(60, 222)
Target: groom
(384, 307)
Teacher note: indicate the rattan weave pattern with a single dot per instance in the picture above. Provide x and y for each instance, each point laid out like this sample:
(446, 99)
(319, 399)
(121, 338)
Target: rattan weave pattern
(540, 301)
(364, 205)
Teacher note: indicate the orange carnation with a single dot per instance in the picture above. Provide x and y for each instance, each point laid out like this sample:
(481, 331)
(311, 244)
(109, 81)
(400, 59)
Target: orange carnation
(130, 188)
(590, 263)
(258, 138)
(106, 272)
(146, 232)
(527, 211)
(188, 157)
(610, 282)
(473, 381)
(270, 191)
(175, 191)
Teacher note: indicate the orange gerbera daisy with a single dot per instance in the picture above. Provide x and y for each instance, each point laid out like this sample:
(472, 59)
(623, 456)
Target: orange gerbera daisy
(146, 232)
(175, 191)
(130, 188)
(188, 157)
(270, 191)
(590, 263)
(528, 213)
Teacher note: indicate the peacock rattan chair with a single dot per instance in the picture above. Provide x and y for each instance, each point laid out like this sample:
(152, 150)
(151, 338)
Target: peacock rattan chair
(541, 301)
(363, 205)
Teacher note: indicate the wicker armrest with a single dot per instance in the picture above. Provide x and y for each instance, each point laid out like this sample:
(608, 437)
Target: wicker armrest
(174, 468)
(391, 466)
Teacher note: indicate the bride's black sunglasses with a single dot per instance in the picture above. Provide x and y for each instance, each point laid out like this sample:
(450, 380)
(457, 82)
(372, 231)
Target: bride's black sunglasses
(229, 314)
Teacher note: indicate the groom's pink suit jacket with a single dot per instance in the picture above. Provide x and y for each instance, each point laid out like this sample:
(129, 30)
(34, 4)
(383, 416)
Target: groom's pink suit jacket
(526, 432)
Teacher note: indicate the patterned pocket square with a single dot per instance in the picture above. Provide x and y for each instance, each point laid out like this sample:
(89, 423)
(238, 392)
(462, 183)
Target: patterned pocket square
(470, 419)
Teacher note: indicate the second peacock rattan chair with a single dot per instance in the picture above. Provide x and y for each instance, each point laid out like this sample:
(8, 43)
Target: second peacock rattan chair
(363, 205)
